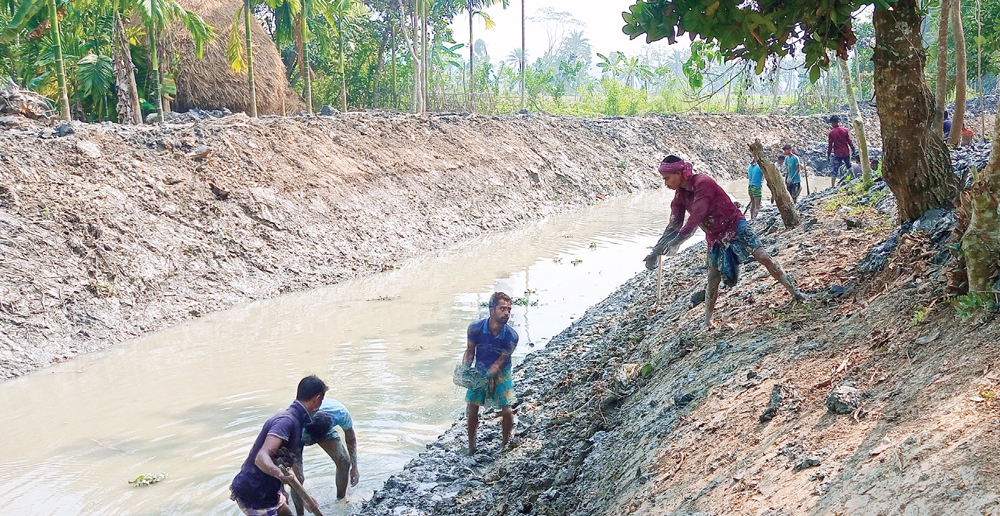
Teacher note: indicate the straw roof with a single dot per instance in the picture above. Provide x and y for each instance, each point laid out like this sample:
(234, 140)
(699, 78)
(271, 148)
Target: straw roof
(210, 83)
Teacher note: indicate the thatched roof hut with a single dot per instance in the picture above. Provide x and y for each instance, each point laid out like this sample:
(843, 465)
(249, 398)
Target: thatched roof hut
(210, 83)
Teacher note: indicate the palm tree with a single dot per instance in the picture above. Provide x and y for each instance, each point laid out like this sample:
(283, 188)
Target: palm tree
(23, 15)
(337, 13)
(475, 7)
(239, 61)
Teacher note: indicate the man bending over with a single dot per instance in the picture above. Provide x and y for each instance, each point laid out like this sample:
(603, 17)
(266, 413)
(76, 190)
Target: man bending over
(731, 241)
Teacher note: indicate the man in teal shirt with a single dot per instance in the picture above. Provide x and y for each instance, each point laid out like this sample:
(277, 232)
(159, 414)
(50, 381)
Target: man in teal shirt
(793, 177)
(756, 177)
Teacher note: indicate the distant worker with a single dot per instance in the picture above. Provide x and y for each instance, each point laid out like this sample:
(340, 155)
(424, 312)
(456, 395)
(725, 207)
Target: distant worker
(793, 175)
(947, 124)
(839, 141)
(490, 343)
(856, 169)
(322, 431)
(258, 488)
(967, 136)
(756, 177)
(731, 241)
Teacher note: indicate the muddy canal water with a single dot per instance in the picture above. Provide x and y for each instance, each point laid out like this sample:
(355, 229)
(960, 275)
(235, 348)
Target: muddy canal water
(189, 401)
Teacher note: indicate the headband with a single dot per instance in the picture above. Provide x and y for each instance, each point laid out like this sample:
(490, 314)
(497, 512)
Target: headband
(682, 167)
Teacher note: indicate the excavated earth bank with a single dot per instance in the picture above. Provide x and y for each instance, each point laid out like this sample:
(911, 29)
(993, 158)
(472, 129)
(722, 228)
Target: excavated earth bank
(634, 409)
(108, 232)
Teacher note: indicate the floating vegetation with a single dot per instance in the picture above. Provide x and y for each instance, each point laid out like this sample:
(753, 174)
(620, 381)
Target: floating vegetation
(576, 262)
(593, 245)
(147, 479)
(557, 260)
(383, 298)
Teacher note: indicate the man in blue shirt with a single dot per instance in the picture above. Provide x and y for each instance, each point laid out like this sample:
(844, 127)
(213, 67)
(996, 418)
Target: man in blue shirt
(257, 489)
(490, 344)
(756, 177)
(793, 177)
(322, 431)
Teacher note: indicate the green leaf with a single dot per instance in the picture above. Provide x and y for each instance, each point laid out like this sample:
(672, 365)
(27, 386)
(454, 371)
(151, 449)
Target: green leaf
(814, 73)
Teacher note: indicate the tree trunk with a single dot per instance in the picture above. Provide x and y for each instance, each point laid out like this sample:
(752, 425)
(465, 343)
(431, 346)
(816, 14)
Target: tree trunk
(343, 74)
(916, 162)
(424, 55)
(522, 55)
(395, 96)
(128, 108)
(776, 183)
(981, 241)
(412, 46)
(941, 77)
(472, 66)
(958, 122)
(249, 42)
(859, 124)
(64, 112)
(303, 62)
(157, 81)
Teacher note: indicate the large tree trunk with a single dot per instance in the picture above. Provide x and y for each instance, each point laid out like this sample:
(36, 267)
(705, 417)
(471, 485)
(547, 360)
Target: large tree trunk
(129, 110)
(941, 77)
(776, 183)
(958, 122)
(859, 123)
(981, 241)
(916, 163)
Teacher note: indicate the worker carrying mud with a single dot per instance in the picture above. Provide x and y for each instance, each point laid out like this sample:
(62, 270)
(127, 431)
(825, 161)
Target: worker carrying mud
(490, 344)
(731, 241)
(322, 431)
(839, 142)
(258, 488)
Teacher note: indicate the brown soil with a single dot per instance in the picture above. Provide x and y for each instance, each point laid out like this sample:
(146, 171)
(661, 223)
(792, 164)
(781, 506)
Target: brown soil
(111, 232)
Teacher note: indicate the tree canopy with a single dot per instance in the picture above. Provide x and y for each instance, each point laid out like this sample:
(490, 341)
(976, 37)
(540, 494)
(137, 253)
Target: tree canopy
(754, 30)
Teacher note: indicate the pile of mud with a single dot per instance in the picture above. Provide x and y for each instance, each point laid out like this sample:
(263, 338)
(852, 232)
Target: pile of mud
(108, 232)
(872, 398)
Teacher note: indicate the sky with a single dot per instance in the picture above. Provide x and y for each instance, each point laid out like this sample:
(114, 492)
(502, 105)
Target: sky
(602, 21)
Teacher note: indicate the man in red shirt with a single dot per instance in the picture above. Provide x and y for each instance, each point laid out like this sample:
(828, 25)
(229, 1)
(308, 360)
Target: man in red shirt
(731, 241)
(839, 141)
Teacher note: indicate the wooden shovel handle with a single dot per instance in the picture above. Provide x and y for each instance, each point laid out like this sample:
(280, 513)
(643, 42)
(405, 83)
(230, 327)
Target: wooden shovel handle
(299, 488)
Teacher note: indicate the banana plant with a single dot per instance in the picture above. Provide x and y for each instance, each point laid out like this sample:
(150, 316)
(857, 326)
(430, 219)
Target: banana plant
(238, 60)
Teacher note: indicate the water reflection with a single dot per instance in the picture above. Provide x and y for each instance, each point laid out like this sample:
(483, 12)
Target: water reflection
(190, 400)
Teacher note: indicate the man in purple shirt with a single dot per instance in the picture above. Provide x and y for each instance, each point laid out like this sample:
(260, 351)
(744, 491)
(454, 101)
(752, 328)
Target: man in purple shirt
(731, 241)
(257, 489)
(839, 142)
(490, 343)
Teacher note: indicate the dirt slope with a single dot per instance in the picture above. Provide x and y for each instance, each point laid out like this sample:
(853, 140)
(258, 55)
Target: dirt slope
(108, 232)
(635, 410)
